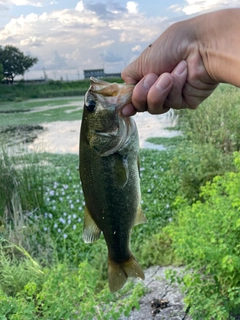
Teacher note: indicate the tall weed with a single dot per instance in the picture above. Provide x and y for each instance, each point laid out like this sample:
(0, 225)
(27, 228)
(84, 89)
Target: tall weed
(216, 121)
(195, 165)
(211, 134)
(21, 185)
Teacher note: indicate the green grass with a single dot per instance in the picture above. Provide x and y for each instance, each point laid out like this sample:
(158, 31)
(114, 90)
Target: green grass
(50, 89)
(166, 142)
(39, 116)
(58, 263)
(61, 218)
(31, 104)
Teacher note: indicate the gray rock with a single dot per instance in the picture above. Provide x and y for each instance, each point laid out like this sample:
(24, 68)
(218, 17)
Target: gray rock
(159, 288)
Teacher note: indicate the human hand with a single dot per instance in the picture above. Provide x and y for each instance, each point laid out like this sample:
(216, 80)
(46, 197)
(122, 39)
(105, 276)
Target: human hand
(170, 73)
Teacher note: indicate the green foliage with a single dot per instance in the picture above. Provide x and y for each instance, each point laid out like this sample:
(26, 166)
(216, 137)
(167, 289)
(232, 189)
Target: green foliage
(205, 236)
(21, 186)
(14, 61)
(196, 164)
(38, 112)
(17, 268)
(22, 91)
(70, 286)
(210, 135)
(1, 72)
(167, 142)
(157, 250)
(66, 293)
(74, 279)
(216, 121)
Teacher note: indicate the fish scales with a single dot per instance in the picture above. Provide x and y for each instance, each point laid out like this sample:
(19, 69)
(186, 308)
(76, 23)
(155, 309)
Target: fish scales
(109, 171)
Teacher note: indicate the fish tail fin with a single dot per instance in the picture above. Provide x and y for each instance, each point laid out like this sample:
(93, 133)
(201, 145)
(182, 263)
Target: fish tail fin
(118, 273)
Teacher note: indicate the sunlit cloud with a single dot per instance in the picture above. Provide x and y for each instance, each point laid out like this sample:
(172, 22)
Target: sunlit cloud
(193, 6)
(103, 44)
(35, 3)
(92, 33)
(132, 7)
(137, 48)
(84, 37)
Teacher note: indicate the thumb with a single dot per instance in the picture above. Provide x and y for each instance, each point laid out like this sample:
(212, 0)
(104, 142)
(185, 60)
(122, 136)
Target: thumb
(132, 73)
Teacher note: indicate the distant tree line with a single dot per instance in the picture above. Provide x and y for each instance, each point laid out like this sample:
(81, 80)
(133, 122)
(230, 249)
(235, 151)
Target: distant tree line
(13, 62)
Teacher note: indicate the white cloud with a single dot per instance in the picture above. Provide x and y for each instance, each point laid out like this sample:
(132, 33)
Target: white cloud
(80, 6)
(32, 42)
(84, 37)
(132, 7)
(103, 44)
(35, 3)
(198, 6)
(137, 48)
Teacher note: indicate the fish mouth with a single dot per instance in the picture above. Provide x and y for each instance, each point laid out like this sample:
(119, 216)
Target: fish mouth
(111, 94)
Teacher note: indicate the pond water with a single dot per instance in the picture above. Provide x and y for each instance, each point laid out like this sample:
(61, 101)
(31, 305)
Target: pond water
(63, 136)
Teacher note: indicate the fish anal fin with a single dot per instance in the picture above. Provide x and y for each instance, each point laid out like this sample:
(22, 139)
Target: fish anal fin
(91, 232)
(140, 217)
(121, 170)
(118, 273)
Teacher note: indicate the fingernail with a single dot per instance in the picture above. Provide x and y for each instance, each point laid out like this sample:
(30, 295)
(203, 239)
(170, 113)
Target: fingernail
(180, 68)
(149, 80)
(163, 82)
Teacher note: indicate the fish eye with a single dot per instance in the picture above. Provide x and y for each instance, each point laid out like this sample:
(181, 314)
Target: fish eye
(91, 105)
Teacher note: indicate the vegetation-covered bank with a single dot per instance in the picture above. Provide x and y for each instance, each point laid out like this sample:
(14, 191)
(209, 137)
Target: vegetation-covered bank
(43, 214)
(50, 89)
(205, 229)
(190, 195)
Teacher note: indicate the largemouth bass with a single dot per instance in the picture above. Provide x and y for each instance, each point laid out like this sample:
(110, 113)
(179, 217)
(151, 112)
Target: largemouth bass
(109, 171)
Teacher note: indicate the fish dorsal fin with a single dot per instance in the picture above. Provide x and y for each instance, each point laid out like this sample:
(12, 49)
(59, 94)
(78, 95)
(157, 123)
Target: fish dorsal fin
(91, 232)
(140, 218)
(121, 170)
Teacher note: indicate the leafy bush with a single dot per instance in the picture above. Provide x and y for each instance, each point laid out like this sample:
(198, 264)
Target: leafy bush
(65, 293)
(206, 236)
(196, 164)
(216, 121)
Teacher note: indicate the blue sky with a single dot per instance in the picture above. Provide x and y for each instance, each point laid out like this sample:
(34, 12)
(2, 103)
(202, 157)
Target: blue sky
(70, 36)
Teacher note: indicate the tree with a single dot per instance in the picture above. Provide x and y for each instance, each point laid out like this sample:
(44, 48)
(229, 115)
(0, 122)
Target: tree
(1, 73)
(14, 62)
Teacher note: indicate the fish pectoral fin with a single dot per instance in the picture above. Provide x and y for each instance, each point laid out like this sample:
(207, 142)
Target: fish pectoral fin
(91, 232)
(140, 218)
(121, 170)
(138, 165)
(118, 273)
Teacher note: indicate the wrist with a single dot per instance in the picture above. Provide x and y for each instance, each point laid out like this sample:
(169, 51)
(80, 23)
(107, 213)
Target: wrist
(218, 41)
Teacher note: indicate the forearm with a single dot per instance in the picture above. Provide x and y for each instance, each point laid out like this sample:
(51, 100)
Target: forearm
(218, 37)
